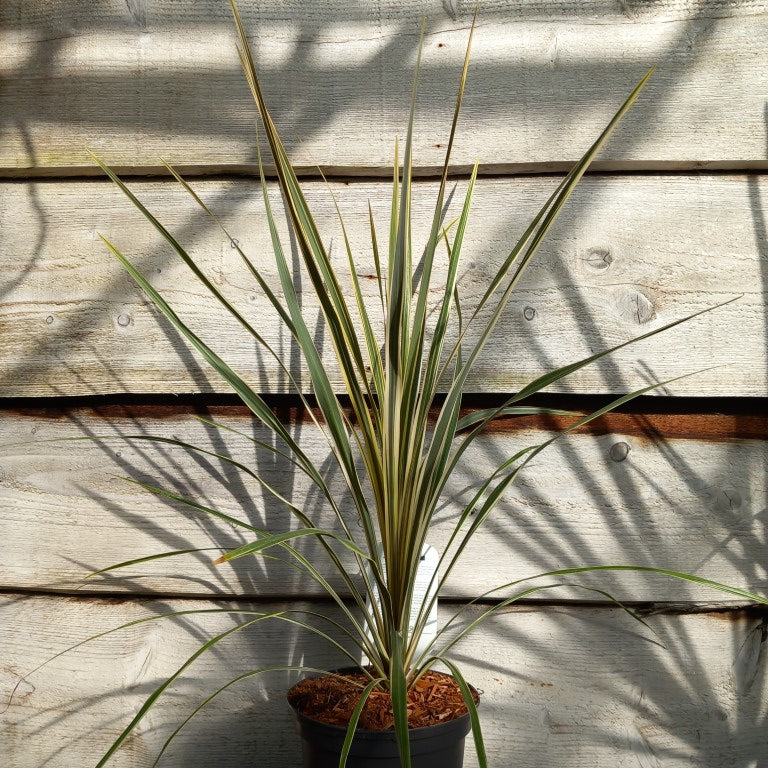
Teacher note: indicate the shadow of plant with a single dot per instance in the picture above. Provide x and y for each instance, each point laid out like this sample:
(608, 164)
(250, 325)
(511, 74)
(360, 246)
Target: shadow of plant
(679, 674)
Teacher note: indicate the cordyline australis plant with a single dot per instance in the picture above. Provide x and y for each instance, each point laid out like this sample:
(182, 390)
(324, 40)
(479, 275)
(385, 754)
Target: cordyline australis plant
(394, 459)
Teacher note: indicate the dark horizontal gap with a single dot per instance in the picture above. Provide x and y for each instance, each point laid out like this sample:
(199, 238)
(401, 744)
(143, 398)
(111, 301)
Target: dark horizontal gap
(703, 406)
(641, 607)
(353, 174)
(645, 419)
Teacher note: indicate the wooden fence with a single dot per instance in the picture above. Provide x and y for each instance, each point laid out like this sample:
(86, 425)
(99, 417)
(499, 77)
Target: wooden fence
(671, 220)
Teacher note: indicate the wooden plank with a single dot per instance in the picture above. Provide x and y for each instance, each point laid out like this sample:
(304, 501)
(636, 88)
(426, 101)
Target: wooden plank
(628, 255)
(560, 686)
(681, 492)
(138, 81)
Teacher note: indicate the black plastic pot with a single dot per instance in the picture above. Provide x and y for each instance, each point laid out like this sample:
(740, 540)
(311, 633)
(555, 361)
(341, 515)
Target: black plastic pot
(431, 747)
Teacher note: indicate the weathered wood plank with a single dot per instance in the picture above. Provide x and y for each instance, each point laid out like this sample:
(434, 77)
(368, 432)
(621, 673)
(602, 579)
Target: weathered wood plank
(681, 492)
(138, 81)
(560, 686)
(628, 255)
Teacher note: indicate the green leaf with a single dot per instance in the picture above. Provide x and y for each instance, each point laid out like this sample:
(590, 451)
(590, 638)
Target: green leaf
(354, 719)
(506, 602)
(398, 689)
(488, 414)
(216, 693)
(529, 243)
(274, 540)
(149, 559)
(469, 700)
(152, 698)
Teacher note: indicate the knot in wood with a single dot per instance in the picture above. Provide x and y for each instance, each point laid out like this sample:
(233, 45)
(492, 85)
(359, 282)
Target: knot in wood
(637, 308)
(598, 259)
(728, 500)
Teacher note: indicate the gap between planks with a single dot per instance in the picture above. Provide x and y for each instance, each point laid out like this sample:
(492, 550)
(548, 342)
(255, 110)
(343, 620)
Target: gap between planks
(706, 418)
(384, 172)
(718, 608)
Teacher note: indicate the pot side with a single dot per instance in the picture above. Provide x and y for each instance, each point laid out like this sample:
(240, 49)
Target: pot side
(436, 745)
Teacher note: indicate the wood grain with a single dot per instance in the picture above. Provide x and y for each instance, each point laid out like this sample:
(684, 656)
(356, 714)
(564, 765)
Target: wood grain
(676, 222)
(629, 254)
(137, 81)
(560, 686)
(626, 492)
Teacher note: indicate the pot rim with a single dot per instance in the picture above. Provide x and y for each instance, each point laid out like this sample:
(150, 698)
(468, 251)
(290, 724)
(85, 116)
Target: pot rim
(368, 733)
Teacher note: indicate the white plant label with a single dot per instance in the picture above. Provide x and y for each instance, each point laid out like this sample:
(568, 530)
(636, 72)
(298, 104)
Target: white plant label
(424, 589)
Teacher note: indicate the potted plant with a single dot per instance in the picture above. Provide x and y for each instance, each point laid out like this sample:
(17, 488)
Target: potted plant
(396, 433)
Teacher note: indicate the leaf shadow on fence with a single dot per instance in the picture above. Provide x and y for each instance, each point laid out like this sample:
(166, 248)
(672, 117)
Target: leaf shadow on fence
(662, 689)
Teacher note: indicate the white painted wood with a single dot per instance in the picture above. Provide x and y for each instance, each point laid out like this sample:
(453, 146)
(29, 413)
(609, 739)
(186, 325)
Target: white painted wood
(575, 687)
(696, 505)
(628, 255)
(137, 81)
